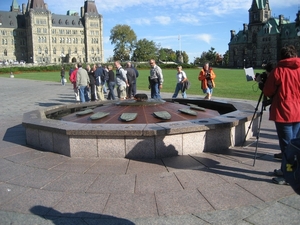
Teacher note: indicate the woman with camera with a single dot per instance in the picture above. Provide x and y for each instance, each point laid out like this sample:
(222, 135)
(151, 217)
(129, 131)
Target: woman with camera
(207, 76)
(283, 86)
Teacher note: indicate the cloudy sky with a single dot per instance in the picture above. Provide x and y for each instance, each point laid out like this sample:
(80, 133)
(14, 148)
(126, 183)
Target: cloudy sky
(200, 24)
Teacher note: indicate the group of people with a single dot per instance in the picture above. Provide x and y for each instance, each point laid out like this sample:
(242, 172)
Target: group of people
(91, 83)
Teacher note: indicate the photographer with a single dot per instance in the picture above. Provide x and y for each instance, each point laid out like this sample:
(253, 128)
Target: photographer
(207, 76)
(283, 86)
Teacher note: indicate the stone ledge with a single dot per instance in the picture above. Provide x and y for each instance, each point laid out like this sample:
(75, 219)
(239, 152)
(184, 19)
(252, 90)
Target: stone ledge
(155, 140)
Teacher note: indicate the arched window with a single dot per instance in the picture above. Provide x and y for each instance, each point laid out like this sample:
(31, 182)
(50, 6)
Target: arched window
(54, 51)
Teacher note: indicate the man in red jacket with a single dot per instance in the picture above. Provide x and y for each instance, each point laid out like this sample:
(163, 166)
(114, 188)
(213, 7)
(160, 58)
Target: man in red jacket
(283, 86)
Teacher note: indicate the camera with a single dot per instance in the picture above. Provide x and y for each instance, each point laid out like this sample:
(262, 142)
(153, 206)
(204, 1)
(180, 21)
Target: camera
(261, 78)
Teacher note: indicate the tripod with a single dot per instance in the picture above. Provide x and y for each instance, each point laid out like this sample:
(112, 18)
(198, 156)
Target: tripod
(263, 107)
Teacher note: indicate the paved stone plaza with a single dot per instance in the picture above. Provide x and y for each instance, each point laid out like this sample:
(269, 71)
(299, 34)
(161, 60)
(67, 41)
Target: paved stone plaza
(39, 187)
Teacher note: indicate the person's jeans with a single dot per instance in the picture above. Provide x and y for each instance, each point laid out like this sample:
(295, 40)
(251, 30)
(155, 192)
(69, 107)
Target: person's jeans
(177, 89)
(111, 93)
(155, 92)
(83, 94)
(63, 80)
(286, 132)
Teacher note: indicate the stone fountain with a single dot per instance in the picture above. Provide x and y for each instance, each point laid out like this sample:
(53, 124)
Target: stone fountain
(141, 128)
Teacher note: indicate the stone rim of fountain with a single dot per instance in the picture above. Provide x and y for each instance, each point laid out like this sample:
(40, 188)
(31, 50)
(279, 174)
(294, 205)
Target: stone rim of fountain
(70, 138)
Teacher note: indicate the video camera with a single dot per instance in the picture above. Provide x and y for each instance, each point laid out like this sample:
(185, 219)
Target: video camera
(261, 78)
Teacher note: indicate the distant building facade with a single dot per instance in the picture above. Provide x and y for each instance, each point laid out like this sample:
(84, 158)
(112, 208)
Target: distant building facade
(260, 41)
(36, 35)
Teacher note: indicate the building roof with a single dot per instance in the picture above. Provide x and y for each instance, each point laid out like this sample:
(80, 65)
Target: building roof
(66, 21)
(12, 20)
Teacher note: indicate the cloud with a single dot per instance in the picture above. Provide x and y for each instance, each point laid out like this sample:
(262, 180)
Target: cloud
(188, 18)
(204, 37)
(139, 21)
(164, 20)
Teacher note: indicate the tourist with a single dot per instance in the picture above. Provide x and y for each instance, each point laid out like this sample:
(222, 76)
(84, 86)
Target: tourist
(283, 86)
(82, 83)
(121, 80)
(91, 72)
(155, 79)
(111, 83)
(181, 78)
(131, 77)
(99, 74)
(73, 81)
(207, 76)
(134, 83)
(62, 75)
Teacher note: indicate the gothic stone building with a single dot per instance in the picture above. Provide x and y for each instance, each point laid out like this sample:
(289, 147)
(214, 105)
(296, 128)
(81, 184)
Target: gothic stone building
(35, 35)
(260, 41)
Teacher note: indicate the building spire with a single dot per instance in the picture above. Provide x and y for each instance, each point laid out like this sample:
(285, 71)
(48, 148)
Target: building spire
(14, 6)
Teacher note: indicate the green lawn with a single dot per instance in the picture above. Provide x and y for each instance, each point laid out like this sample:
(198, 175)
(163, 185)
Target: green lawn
(230, 83)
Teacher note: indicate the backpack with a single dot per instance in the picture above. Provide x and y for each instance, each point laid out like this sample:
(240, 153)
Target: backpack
(104, 76)
(290, 165)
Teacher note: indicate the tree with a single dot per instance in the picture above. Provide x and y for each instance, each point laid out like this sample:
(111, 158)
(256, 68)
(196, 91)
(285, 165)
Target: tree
(145, 50)
(124, 38)
(226, 58)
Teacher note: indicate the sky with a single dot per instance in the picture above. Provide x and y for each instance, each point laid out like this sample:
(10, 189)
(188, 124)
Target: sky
(186, 25)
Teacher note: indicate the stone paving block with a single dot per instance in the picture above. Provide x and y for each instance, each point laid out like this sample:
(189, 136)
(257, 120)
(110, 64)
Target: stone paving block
(146, 166)
(84, 147)
(25, 157)
(14, 170)
(80, 205)
(193, 142)
(37, 179)
(228, 196)
(71, 182)
(22, 219)
(181, 202)
(168, 145)
(192, 179)
(110, 220)
(111, 183)
(13, 150)
(49, 161)
(292, 201)
(140, 148)
(130, 206)
(170, 220)
(33, 198)
(10, 191)
(111, 147)
(109, 166)
(230, 216)
(163, 182)
(266, 191)
(76, 165)
(184, 162)
(276, 213)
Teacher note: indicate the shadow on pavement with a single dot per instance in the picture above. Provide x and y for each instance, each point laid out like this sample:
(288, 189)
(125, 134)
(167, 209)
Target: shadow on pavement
(59, 218)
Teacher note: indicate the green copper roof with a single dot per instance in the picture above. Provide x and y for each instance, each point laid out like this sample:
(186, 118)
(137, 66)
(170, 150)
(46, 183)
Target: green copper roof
(261, 4)
(15, 4)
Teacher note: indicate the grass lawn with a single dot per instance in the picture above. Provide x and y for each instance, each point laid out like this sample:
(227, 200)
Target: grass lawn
(230, 83)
